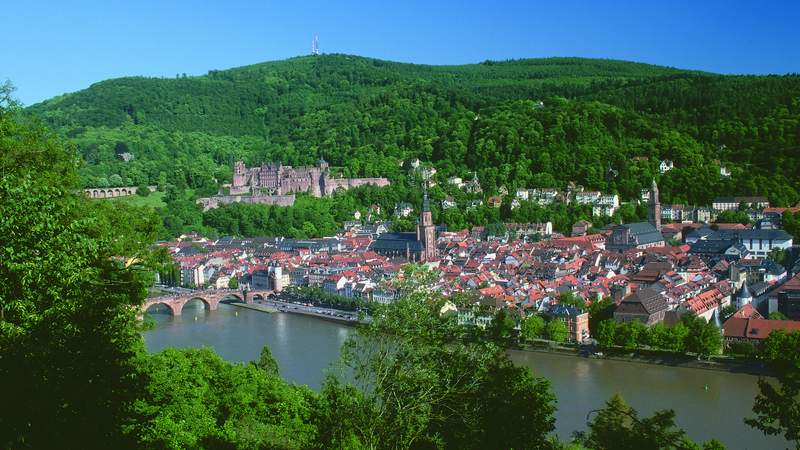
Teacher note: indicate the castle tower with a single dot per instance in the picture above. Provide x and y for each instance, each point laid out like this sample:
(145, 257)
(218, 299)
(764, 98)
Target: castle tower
(426, 231)
(654, 215)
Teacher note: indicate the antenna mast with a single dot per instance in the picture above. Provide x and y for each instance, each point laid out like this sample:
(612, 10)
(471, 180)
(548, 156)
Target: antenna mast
(315, 46)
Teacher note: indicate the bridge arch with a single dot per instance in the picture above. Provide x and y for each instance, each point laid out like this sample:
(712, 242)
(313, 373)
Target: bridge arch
(207, 305)
(171, 307)
(231, 297)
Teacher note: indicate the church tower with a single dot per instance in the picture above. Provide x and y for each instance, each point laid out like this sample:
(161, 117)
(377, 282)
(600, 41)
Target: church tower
(426, 231)
(654, 216)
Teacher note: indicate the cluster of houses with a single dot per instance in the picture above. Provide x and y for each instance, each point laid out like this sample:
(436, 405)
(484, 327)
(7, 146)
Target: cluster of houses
(711, 269)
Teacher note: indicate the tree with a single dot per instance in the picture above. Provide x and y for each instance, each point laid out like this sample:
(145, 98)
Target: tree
(532, 327)
(143, 190)
(502, 326)
(777, 315)
(606, 334)
(726, 312)
(267, 363)
(233, 283)
(556, 330)
(777, 405)
(194, 399)
(599, 311)
(69, 291)
(418, 384)
(618, 426)
(704, 338)
(630, 334)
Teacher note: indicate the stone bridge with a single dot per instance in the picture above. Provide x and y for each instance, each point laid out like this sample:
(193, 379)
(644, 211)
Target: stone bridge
(211, 298)
(113, 191)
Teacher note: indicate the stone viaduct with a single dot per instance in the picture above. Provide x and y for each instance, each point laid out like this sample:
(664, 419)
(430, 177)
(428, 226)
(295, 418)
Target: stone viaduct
(211, 299)
(112, 192)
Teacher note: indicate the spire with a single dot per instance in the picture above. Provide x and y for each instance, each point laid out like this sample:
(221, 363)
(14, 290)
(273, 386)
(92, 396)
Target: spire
(426, 205)
(744, 292)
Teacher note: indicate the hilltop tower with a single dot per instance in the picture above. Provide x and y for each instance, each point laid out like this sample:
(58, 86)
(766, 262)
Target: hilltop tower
(654, 215)
(426, 231)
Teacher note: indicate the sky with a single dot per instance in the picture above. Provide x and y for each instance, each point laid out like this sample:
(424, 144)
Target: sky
(53, 47)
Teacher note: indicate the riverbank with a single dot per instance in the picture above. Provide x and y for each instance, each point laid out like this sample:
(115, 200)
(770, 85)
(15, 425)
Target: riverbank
(255, 307)
(749, 367)
(329, 314)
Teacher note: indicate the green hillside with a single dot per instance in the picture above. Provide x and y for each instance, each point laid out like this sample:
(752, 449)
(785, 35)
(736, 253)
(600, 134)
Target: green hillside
(602, 123)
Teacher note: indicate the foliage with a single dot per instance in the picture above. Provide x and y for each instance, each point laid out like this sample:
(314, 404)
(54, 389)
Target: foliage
(533, 327)
(733, 217)
(618, 426)
(777, 405)
(233, 283)
(603, 124)
(194, 399)
(556, 330)
(501, 328)
(691, 334)
(422, 386)
(72, 274)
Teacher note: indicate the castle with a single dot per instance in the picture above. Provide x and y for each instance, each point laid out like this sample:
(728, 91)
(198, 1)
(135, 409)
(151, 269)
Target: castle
(277, 179)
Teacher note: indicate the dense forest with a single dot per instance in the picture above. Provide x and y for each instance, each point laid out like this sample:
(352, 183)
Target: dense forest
(523, 123)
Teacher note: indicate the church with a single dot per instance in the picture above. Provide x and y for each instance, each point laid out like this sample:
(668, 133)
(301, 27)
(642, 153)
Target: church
(419, 246)
(639, 235)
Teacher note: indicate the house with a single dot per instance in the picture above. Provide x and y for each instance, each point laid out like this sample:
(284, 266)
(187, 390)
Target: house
(581, 228)
(728, 249)
(494, 201)
(448, 203)
(403, 209)
(334, 284)
(724, 172)
(587, 198)
(456, 181)
(738, 329)
(665, 166)
(646, 305)
(787, 297)
(732, 203)
(577, 321)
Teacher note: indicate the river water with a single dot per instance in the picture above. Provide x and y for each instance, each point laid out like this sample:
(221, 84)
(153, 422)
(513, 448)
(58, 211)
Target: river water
(305, 347)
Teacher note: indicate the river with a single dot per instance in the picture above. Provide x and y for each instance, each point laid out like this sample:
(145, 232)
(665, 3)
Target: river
(306, 347)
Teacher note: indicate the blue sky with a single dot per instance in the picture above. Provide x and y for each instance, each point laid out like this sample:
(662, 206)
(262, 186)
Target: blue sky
(52, 47)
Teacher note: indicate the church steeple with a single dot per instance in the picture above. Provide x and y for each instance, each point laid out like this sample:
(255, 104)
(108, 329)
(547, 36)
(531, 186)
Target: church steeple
(426, 231)
(654, 208)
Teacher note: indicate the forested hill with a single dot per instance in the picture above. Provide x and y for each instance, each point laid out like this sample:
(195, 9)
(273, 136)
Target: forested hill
(603, 123)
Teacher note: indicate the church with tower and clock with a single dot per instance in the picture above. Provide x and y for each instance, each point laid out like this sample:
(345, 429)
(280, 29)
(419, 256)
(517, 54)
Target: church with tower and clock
(419, 246)
(641, 234)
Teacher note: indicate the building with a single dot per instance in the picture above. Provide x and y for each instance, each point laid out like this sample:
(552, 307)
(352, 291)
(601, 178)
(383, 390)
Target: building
(665, 166)
(788, 298)
(733, 203)
(640, 235)
(577, 321)
(646, 305)
(757, 242)
(277, 179)
(754, 331)
(581, 228)
(419, 246)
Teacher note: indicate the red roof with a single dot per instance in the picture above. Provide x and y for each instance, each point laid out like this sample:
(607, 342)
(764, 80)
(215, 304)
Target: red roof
(756, 328)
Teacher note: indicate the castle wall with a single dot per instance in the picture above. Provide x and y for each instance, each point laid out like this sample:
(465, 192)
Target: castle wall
(214, 202)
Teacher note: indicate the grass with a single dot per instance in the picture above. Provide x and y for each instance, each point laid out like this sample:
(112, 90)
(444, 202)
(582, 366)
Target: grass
(154, 200)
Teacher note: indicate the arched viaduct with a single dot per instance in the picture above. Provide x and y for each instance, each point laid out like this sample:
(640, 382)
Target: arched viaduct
(113, 191)
(210, 298)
